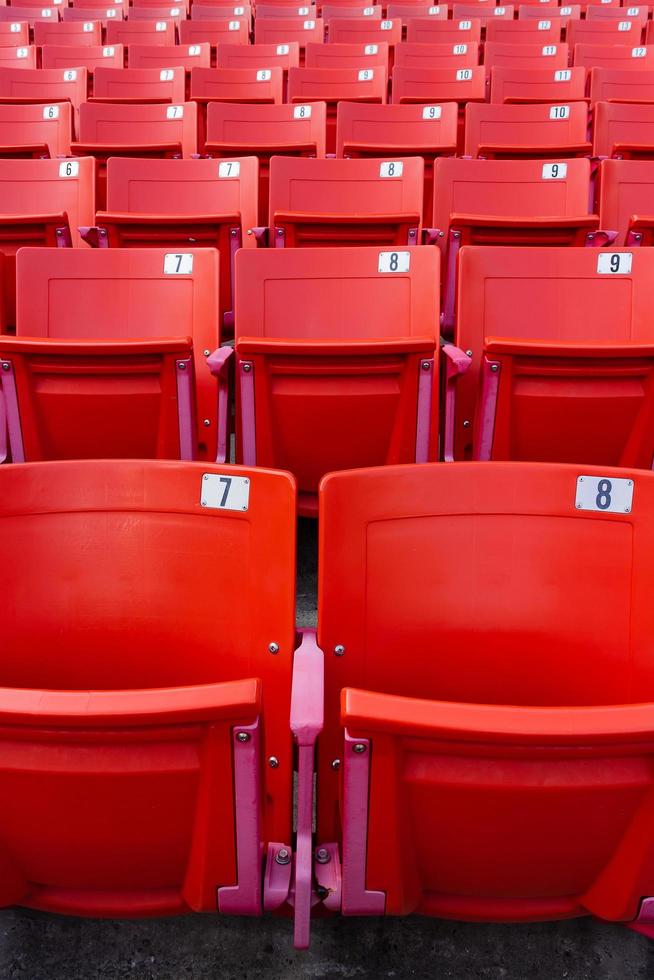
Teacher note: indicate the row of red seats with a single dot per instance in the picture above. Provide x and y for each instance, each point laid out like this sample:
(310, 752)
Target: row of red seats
(501, 771)
(552, 360)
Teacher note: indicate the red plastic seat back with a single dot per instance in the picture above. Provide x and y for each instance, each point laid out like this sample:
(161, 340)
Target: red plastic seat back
(428, 85)
(321, 327)
(345, 202)
(18, 57)
(424, 30)
(626, 204)
(640, 14)
(638, 56)
(161, 129)
(258, 56)
(82, 33)
(566, 14)
(148, 306)
(231, 32)
(589, 312)
(621, 85)
(139, 85)
(412, 55)
(461, 11)
(141, 32)
(36, 130)
(258, 85)
(481, 790)
(547, 30)
(14, 34)
(494, 130)
(334, 85)
(104, 14)
(528, 55)
(272, 31)
(47, 85)
(135, 745)
(170, 56)
(364, 31)
(624, 31)
(558, 86)
(624, 130)
(68, 56)
(347, 55)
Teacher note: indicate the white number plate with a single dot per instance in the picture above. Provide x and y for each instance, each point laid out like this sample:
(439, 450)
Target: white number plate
(560, 112)
(229, 168)
(604, 494)
(178, 264)
(264, 75)
(394, 261)
(69, 168)
(174, 111)
(562, 75)
(392, 169)
(302, 112)
(431, 112)
(614, 262)
(50, 111)
(555, 171)
(225, 492)
(366, 75)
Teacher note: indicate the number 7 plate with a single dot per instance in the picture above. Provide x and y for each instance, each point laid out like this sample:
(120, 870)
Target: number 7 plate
(222, 492)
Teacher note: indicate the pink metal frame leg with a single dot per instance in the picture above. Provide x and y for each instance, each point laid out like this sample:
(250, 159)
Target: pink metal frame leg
(357, 900)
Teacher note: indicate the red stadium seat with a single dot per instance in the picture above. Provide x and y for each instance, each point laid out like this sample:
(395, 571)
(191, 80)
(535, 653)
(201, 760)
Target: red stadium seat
(622, 84)
(215, 32)
(570, 378)
(437, 85)
(14, 34)
(35, 130)
(186, 56)
(365, 31)
(407, 11)
(549, 57)
(84, 33)
(566, 14)
(286, 12)
(331, 12)
(616, 56)
(42, 202)
(547, 131)
(462, 10)
(135, 130)
(283, 56)
(544, 31)
(509, 202)
(412, 55)
(537, 85)
(260, 85)
(67, 56)
(30, 14)
(163, 85)
(19, 57)
(427, 30)
(334, 85)
(72, 14)
(427, 131)
(137, 775)
(626, 200)
(605, 32)
(141, 32)
(173, 13)
(272, 31)
(476, 782)
(263, 131)
(345, 202)
(179, 204)
(120, 5)
(184, 5)
(347, 56)
(94, 368)
(624, 131)
(316, 331)
(45, 85)
(639, 14)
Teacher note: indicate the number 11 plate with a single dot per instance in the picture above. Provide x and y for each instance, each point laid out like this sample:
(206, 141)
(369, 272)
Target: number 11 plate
(223, 492)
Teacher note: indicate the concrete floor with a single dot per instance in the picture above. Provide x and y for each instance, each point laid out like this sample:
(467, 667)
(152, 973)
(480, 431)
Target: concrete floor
(34, 946)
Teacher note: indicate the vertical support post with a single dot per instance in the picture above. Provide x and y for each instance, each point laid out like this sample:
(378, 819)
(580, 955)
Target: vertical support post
(248, 423)
(184, 377)
(490, 382)
(11, 412)
(423, 409)
(357, 900)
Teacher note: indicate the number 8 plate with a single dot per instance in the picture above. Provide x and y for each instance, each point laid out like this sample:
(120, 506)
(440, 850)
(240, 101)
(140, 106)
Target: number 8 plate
(394, 261)
(604, 494)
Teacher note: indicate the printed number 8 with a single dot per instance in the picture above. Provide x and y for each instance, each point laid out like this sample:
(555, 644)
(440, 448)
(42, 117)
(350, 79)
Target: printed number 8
(603, 498)
(394, 260)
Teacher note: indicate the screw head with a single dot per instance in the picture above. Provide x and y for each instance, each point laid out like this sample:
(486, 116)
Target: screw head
(5, 365)
(466, 424)
(425, 365)
(578, 506)
(182, 366)
(627, 509)
(206, 352)
(339, 650)
(494, 368)
(336, 764)
(630, 483)
(247, 368)
(273, 648)
(323, 856)
(283, 856)
(280, 232)
(243, 736)
(456, 234)
(207, 422)
(273, 762)
(206, 476)
(233, 233)
(469, 353)
(441, 234)
(359, 748)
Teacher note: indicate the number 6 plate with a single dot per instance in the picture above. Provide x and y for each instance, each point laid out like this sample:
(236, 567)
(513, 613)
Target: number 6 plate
(604, 494)
(222, 492)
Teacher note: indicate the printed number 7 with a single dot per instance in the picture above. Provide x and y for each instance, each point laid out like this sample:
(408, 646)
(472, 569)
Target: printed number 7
(227, 480)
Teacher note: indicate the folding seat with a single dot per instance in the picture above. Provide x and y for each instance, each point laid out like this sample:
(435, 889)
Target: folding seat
(289, 12)
(462, 85)
(163, 85)
(614, 56)
(120, 5)
(544, 31)
(134, 130)
(622, 85)
(472, 782)
(347, 56)
(537, 85)
(333, 85)
(605, 32)
(639, 14)
(174, 13)
(161, 737)
(566, 14)
(83, 33)
(129, 317)
(37, 3)
(20, 57)
(272, 31)
(45, 85)
(66, 56)
(412, 55)
(460, 11)
(187, 56)
(551, 57)
(42, 202)
(183, 4)
(235, 130)
(14, 34)
(626, 200)
(72, 14)
(427, 131)
(624, 131)
(30, 14)
(509, 202)
(571, 378)
(32, 131)
(498, 131)
(345, 202)
(235, 33)
(424, 30)
(336, 359)
(329, 12)
(408, 11)
(141, 32)
(237, 85)
(213, 12)
(283, 56)
(357, 31)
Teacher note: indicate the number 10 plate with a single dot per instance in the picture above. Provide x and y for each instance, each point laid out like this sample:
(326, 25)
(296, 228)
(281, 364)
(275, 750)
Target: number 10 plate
(604, 493)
